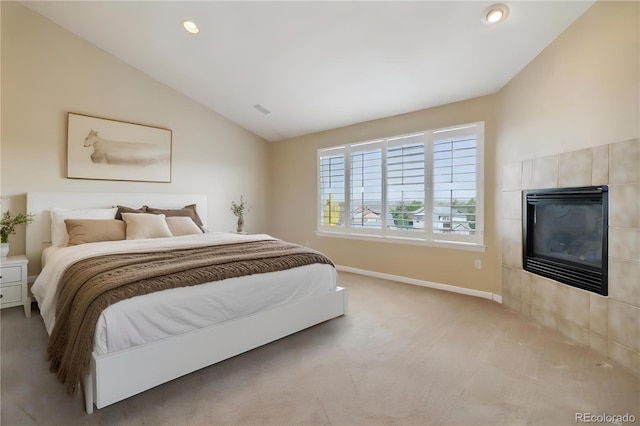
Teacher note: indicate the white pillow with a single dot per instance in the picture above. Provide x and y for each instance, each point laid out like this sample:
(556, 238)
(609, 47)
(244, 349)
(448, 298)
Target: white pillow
(182, 225)
(59, 235)
(146, 225)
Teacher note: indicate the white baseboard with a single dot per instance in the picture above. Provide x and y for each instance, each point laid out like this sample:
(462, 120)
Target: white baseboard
(438, 286)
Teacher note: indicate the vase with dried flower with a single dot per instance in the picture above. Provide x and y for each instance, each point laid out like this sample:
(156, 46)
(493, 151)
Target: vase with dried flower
(8, 227)
(240, 209)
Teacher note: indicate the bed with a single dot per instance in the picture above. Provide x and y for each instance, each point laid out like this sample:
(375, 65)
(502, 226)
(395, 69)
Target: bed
(144, 336)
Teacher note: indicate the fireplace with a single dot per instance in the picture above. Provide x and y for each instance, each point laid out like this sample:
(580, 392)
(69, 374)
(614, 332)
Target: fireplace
(565, 235)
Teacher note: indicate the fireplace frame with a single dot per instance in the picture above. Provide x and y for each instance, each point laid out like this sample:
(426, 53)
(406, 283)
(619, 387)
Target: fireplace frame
(581, 276)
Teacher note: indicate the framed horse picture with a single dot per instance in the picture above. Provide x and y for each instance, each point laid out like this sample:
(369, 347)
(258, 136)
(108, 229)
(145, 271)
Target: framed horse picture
(106, 149)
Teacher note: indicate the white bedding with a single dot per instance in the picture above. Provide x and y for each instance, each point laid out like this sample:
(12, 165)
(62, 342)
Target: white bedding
(155, 316)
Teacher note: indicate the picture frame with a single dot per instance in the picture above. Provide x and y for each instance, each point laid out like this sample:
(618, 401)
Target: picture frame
(107, 149)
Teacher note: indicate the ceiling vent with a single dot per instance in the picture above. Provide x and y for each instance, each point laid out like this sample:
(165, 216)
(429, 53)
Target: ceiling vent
(262, 109)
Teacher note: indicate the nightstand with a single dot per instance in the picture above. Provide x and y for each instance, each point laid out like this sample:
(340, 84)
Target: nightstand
(13, 283)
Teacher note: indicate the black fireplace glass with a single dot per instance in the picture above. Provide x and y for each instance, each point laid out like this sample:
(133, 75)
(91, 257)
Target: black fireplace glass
(569, 232)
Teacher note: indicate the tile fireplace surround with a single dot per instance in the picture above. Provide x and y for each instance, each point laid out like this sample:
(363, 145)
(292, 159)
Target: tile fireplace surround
(609, 325)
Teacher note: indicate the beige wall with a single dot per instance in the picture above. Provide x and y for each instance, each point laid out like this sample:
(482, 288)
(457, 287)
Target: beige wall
(581, 91)
(294, 201)
(47, 72)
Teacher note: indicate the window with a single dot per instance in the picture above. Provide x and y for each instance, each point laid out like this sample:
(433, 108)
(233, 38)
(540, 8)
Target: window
(424, 187)
(332, 181)
(365, 186)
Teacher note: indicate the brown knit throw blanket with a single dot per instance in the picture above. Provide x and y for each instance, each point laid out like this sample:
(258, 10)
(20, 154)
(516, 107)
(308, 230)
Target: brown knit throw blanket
(91, 285)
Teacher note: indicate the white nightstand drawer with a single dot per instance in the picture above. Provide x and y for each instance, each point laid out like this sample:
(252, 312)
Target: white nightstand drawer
(11, 274)
(14, 287)
(10, 294)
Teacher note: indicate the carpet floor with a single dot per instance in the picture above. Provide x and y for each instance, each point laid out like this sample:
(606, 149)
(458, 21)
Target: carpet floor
(405, 355)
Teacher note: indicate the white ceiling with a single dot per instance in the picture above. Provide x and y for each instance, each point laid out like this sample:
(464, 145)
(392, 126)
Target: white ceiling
(318, 65)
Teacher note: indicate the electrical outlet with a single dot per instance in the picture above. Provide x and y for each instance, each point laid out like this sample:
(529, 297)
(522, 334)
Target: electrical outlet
(478, 264)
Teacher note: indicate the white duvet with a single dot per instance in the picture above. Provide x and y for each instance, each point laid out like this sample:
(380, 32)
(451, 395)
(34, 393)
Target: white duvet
(155, 316)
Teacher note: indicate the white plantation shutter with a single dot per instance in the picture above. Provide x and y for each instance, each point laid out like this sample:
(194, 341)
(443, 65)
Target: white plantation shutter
(423, 188)
(365, 178)
(331, 170)
(406, 183)
(455, 183)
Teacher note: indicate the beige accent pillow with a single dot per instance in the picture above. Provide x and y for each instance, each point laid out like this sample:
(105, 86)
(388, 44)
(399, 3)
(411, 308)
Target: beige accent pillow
(59, 235)
(145, 225)
(83, 231)
(182, 225)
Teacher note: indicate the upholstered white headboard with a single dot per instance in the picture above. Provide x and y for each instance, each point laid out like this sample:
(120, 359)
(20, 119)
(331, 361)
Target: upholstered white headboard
(40, 204)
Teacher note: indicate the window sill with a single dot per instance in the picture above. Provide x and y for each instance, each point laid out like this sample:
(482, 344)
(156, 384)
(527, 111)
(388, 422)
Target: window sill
(455, 245)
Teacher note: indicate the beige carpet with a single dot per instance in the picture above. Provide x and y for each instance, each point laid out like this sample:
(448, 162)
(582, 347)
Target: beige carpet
(404, 355)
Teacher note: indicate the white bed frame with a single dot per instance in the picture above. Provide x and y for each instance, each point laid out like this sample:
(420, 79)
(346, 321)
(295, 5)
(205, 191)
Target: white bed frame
(119, 375)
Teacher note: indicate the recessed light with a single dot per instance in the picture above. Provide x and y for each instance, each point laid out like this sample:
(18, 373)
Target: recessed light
(191, 27)
(495, 13)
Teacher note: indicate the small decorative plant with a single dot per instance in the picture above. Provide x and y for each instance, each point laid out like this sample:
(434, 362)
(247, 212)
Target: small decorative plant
(9, 223)
(240, 209)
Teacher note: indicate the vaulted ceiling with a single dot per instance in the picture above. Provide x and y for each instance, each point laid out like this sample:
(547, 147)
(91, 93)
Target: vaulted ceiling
(318, 65)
